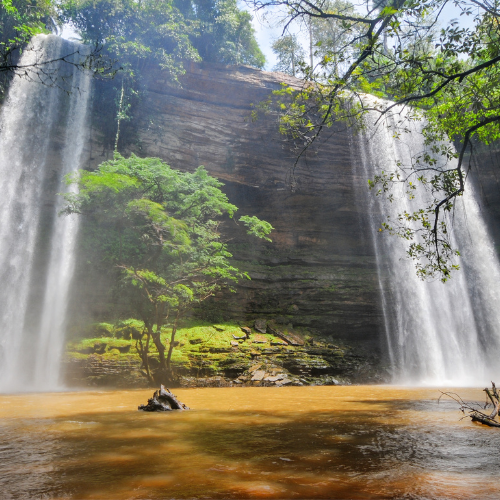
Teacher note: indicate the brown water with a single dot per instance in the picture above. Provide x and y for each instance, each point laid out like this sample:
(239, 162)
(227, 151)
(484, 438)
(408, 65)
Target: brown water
(296, 442)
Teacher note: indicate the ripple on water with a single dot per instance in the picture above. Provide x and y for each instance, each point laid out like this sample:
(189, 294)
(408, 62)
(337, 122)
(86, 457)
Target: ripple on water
(351, 442)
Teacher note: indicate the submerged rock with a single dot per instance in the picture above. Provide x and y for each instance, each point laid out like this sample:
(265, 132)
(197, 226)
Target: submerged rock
(163, 400)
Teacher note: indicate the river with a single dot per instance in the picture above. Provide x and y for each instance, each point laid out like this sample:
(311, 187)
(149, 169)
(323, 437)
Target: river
(298, 442)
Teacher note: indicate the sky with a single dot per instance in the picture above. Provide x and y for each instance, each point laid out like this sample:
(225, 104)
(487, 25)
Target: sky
(266, 32)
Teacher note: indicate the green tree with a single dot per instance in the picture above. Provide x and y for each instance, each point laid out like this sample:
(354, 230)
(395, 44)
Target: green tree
(397, 50)
(225, 33)
(161, 229)
(19, 21)
(135, 33)
(290, 54)
(157, 34)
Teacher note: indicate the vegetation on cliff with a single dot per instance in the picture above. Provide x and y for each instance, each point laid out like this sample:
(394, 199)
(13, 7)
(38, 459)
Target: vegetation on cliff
(215, 354)
(160, 228)
(408, 52)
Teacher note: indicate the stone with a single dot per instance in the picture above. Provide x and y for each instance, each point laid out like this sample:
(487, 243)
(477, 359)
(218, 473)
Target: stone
(100, 348)
(246, 330)
(285, 381)
(275, 378)
(219, 350)
(278, 343)
(239, 338)
(289, 338)
(259, 342)
(254, 367)
(219, 328)
(258, 375)
(261, 325)
(195, 341)
(234, 343)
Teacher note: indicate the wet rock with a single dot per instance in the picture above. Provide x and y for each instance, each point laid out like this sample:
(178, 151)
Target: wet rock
(285, 381)
(261, 325)
(258, 375)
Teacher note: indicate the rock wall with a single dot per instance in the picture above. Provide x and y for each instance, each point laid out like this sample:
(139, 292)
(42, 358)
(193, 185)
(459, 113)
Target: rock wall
(319, 272)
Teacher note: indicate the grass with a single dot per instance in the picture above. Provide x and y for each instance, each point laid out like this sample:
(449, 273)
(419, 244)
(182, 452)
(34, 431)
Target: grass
(196, 342)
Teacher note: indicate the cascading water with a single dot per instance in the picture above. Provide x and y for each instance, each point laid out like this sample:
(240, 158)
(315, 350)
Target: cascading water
(42, 136)
(437, 334)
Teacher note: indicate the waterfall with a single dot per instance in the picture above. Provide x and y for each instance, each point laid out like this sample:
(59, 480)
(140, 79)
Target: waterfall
(42, 135)
(437, 333)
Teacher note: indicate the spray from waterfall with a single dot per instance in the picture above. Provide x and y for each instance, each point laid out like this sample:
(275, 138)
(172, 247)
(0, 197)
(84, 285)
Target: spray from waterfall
(437, 333)
(42, 135)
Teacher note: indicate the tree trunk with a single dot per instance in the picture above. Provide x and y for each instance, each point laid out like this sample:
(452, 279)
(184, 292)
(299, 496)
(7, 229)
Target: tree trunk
(143, 352)
(171, 346)
(161, 350)
(311, 56)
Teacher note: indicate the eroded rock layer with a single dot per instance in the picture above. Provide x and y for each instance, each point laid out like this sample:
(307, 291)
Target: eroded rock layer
(319, 271)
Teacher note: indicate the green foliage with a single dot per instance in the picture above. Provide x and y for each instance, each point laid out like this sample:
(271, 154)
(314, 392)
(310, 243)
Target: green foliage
(157, 35)
(166, 32)
(134, 33)
(161, 229)
(257, 227)
(224, 32)
(399, 53)
(290, 54)
(20, 20)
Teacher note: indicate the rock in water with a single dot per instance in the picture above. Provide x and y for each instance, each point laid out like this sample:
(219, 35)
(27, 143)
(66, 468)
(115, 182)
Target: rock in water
(163, 400)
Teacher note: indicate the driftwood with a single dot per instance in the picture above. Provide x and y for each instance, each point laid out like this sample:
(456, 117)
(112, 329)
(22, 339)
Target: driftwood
(474, 410)
(163, 400)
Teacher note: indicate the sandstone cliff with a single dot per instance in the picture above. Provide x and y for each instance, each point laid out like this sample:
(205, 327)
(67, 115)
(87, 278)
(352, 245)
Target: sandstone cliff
(319, 271)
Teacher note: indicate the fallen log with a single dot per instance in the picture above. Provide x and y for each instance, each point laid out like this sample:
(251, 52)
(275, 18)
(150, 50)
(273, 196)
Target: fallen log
(476, 417)
(473, 410)
(163, 400)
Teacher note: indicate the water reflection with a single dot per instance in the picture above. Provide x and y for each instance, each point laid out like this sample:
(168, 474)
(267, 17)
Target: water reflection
(315, 442)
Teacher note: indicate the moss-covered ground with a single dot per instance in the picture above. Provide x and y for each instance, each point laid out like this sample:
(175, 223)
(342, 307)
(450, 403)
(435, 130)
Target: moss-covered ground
(223, 350)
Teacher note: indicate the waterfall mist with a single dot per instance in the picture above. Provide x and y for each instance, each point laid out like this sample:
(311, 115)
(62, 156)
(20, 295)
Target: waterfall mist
(43, 131)
(437, 333)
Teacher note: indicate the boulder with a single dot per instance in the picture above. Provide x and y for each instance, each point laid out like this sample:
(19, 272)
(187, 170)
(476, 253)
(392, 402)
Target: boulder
(261, 325)
(258, 375)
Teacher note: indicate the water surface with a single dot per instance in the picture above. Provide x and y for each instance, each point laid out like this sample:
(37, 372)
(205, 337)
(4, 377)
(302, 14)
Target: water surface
(298, 442)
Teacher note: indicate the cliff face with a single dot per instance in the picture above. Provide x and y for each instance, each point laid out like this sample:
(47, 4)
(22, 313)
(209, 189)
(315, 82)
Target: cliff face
(319, 271)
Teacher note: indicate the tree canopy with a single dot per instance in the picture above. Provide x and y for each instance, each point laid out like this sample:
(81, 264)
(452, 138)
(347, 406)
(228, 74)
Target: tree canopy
(406, 53)
(160, 228)
(167, 32)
